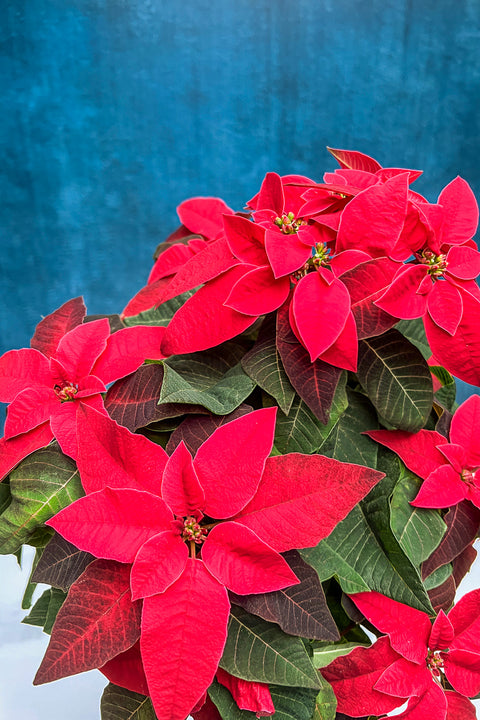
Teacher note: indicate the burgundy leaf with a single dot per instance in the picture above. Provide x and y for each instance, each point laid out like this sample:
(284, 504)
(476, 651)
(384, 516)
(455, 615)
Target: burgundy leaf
(133, 401)
(300, 610)
(463, 522)
(315, 382)
(126, 670)
(97, 621)
(365, 283)
(442, 597)
(194, 430)
(61, 563)
(463, 563)
(52, 328)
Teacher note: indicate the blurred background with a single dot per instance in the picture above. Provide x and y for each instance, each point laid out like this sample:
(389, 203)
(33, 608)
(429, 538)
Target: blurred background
(114, 111)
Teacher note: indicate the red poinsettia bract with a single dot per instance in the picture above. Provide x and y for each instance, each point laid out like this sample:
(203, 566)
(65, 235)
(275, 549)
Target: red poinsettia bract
(191, 528)
(69, 362)
(449, 469)
(414, 661)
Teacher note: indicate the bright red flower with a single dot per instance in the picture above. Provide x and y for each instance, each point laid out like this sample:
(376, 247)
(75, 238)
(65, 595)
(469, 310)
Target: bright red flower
(411, 661)
(449, 469)
(193, 527)
(66, 365)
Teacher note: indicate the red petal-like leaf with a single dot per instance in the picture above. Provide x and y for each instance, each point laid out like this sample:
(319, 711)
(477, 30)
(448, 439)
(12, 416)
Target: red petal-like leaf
(258, 292)
(22, 369)
(417, 450)
(246, 240)
(459, 353)
(463, 429)
(63, 423)
(126, 670)
(404, 678)
(79, 348)
(442, 633)
(204, 321)
(16, 449)
(31, 407)
(230, 463)
(343, 353)
(315, 382)
(443, 488)
(248, 695)
(300, 610)
(463, 262)
(271, 195)
(445, 306)
(355, 160)
(373, 220)
(97, 621)
(459, 707)
(203, 215)
(126, 350)
(301, 498)
(432, 703)
(320, 311)
(353, 677)
(181, 489)
(465, 618)
(242, 562)
(146, 298)
(287, 253)
(172, 259)
(462, 669)
(53, 327)
(113, 523)
(460, 212)
(110, 455)
(403, 299)
(159, 562)
(409, 629)
(175, 683)
(207, 264)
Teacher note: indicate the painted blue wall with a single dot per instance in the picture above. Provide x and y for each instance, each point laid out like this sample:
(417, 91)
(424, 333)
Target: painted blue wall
(115, 110)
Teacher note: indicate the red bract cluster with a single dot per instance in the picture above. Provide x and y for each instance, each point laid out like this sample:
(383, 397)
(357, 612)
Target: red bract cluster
(260, 465)
(304, 243)
(190, 535)
(411, 660)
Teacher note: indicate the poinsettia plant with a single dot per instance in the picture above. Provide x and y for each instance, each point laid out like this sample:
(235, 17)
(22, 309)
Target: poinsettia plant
(251, 492)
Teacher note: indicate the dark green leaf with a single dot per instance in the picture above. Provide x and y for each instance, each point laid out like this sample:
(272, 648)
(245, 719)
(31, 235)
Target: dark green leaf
(447, 393)
(260, 651)
(213, 379)
(263, 365)
(325, 704)
(160, 315)
(45, 610)
(397, 380)
(292, 703)
(419, 531)
(117, 703)
(414, 330)
(5, 497)
(30, 588)
(300, 431)
(42, 485)
(345, 441)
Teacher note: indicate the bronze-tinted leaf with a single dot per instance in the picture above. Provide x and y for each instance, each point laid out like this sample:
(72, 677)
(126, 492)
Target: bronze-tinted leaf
(194, 430)
(61, 563)
(299, 610)
(97, 621)
(463, 522)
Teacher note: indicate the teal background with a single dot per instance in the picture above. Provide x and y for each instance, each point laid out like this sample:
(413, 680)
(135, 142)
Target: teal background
(116, 110)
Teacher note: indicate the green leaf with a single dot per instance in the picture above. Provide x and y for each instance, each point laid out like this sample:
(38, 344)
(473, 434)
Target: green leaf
(5, 497)
(42, 485)
(438, 576)
(414, 331)
(325, 704)
(213, 379)
(263, 365)
(290, 703)
(45, 610)
(300, 431)
(30, 589)
(324, 653)
(345, 441)
(259, 651)
(117, 703)
(447, 393)
(397, 380)
(419, 531)
(160, 315)
(362, 552)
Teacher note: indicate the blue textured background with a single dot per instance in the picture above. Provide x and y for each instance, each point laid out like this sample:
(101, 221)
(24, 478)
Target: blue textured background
(115, 110)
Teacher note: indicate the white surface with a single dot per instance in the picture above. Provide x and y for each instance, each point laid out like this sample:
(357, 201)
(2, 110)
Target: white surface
(75, 698)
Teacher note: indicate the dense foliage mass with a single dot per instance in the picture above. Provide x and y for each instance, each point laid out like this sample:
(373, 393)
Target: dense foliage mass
(252, 492)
